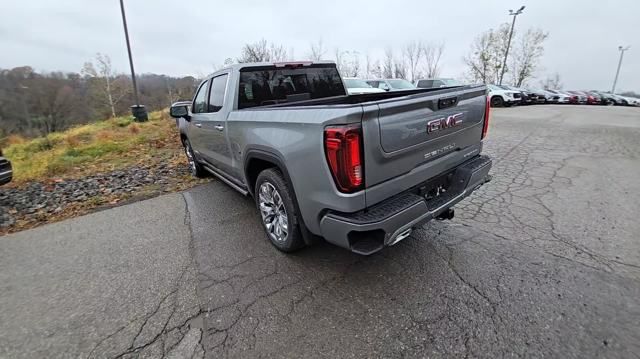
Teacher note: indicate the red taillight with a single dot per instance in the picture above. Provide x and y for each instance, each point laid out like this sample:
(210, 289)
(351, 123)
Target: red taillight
(343, 148)
(485, 125)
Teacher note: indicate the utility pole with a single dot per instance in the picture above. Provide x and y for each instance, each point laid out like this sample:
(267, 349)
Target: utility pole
(138, 111)
(506, 53)
(622, 49)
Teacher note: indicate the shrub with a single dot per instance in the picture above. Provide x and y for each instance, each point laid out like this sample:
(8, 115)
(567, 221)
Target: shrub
(135, 129)
(41, 144)
(14, 140)
(73, 141)
(123, 121)
(105, 135)
(94, 150)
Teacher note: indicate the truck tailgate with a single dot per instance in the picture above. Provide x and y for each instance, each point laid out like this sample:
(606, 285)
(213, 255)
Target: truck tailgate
(420, 136)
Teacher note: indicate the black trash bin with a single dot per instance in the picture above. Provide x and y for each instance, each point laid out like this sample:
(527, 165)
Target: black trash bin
(139, 113)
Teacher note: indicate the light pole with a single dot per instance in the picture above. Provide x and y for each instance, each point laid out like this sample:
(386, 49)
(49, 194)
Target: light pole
(622, 49)
(506, 53)
(138, 111)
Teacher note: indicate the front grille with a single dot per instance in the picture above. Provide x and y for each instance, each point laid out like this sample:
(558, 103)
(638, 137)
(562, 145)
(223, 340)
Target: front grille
(516, 95)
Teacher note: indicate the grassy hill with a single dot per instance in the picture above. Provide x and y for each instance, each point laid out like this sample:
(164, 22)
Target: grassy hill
(106, 163)
(97, 147)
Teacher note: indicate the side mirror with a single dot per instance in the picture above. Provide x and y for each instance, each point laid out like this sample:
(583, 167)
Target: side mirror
(179, 111)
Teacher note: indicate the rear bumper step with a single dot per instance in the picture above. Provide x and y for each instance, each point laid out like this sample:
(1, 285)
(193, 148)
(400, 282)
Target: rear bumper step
(388, 222)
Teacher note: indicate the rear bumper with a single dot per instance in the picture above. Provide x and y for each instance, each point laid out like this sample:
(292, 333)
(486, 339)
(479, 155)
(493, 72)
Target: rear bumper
(386, 223)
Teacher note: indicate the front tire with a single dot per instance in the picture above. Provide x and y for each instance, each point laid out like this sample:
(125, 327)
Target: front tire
(280, 219)
(195, 168)
(497, 101)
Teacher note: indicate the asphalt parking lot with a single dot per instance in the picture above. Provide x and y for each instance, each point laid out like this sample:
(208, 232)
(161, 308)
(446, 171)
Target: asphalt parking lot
(544, 261)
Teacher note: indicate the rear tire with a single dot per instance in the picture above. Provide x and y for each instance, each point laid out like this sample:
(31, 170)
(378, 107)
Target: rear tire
(497, 101)
(280, 219)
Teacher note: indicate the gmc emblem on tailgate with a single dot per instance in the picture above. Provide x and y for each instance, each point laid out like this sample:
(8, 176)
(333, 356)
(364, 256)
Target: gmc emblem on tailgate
(445, 122)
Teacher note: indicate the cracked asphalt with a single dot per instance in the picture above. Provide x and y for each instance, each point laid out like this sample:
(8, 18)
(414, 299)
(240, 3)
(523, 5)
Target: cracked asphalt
(544, 261)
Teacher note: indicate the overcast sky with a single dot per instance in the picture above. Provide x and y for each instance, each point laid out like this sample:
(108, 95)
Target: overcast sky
(193, 36)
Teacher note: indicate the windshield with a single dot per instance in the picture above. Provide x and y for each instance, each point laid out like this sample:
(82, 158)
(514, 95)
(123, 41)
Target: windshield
(400, 84)
(451, 82)
(356, 83)
(270, 85)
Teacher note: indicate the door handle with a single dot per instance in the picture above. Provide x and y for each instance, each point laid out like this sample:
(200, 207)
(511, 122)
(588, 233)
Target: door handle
(198, 125)
(219, 127)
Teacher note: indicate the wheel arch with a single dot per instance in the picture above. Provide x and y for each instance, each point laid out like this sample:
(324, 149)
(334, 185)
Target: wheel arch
(255, 161)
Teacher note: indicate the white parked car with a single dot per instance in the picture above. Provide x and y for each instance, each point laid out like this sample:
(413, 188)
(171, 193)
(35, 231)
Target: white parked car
(501, 97)
(391, 84)
(557, 96)
(632, 101)
(357, 86)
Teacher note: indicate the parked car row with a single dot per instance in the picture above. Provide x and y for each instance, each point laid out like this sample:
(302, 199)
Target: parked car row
(504, 95)
(357, 86)
(500, 95)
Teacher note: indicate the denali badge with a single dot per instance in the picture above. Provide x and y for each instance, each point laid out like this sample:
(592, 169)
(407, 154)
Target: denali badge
(442, 123)
(440, 151)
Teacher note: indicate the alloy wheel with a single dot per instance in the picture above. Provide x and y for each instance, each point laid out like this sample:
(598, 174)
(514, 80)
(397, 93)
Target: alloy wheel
(273, 212)
(190, 159)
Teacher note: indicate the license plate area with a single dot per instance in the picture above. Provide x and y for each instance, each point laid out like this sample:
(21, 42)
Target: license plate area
(436, 187)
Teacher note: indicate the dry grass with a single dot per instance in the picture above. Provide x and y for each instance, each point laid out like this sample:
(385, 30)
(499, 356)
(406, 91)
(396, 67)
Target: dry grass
(14, 140)
(96, 147)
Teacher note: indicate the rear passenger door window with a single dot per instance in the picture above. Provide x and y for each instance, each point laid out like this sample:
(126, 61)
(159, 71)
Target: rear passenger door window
(217, 92)
(200, 101)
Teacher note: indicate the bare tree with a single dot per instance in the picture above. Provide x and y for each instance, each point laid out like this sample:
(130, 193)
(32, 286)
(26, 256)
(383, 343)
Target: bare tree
(387, 65)
(256, 52)
(479, 58)
(376, 69)
(484, 60)
(526, 55)
(354, 63)
(277, 53)
(110, 89)
(261, 51)
(316, 51)
(552, 82)
(432, 53)
(413, 53)
(400, 70)
(53, 103)
(368, 65)
(339, 58)
(348, 62)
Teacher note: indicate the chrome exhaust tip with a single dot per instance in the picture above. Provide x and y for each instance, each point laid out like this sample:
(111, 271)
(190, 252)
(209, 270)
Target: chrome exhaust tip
(402, 235)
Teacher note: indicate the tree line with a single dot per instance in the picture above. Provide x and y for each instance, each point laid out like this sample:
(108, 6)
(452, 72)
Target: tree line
(33, 103)
(417, 59)
(37, 103)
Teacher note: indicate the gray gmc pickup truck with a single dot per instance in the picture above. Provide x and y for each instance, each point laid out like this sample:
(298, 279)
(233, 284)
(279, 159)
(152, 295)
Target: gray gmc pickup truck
(360, 171)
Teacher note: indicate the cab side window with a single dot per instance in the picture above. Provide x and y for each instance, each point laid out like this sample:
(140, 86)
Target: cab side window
(216, 95)
(200, 102)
